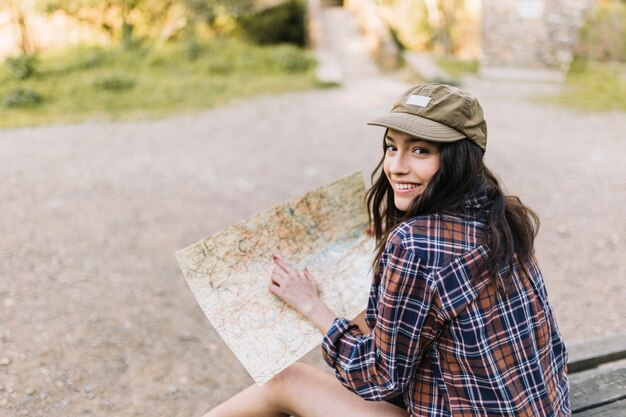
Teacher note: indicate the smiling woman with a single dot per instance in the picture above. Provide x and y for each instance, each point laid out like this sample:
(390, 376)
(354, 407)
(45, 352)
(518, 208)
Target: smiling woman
(458, 321)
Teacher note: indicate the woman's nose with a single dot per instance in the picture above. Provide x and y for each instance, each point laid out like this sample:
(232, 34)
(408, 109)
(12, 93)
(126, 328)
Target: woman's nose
(398, 164)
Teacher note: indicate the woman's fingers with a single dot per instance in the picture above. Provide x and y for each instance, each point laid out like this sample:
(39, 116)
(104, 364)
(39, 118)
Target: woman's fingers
(298, 289)
(284, 271)
(289, 270)
(279, 276)
(279, 279)
(284, 265)
(275, 288)
(309, 276)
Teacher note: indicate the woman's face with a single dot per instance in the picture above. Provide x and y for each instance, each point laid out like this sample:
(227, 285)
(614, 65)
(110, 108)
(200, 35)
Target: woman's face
(409, 165)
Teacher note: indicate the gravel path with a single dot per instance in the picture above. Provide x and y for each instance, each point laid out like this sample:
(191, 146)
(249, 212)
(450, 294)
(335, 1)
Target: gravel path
(95, 316)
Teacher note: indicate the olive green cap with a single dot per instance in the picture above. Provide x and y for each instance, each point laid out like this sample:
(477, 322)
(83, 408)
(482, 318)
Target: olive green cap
(438, 113)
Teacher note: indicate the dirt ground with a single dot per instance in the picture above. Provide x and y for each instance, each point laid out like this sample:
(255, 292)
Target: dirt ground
(96, 318)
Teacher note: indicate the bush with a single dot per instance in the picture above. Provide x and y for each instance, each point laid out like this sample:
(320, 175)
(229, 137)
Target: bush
(603, 36)
(116, 83)
(283, 23)
(21, 67)
(85, 58)
(173, 53)
(288, 58)
(194, 49)
(594, 86)
(222, 58)
(220, 66)
(21, 98)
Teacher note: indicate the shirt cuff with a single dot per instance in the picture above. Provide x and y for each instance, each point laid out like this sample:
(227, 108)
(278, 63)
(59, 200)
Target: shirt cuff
(332, 337)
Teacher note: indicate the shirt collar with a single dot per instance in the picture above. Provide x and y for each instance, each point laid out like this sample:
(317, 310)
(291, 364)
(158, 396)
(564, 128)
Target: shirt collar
(477, 198)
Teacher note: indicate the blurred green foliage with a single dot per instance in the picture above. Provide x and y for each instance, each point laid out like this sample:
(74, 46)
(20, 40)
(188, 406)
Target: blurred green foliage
(283, 23)
(596, 80)
(594, 86)
(114, 82)
(603, 36)
(287, 58)
(84, 82)
(21, 67)
(21, 98)
(122, 20)
(131, 22)
(457, 68)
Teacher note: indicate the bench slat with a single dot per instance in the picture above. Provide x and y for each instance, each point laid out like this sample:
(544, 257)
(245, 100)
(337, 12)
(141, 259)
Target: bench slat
(590, 354)
(598, 388)
(616, 409)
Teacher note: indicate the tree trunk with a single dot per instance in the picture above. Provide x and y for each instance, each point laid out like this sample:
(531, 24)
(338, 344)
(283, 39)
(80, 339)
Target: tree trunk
(27, 41)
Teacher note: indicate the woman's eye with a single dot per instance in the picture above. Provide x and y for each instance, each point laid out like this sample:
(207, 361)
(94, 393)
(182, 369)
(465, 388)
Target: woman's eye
(420, 150)
(390, 148)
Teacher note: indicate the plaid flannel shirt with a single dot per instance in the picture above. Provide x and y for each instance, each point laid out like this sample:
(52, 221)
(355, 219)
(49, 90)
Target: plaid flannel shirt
(443, 337)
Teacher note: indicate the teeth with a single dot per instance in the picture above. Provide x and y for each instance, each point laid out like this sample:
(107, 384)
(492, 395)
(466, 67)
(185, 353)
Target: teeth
(405, 186)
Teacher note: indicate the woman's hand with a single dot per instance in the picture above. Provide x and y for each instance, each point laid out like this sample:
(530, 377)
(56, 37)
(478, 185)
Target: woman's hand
(299, 290)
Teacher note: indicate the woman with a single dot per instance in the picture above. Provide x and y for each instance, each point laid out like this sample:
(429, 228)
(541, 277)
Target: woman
(458, 322)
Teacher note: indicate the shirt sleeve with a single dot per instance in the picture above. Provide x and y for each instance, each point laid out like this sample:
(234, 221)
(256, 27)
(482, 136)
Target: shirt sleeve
(379, 365)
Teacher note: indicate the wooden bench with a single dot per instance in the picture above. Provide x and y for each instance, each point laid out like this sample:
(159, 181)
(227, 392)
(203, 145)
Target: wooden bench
(597, 373)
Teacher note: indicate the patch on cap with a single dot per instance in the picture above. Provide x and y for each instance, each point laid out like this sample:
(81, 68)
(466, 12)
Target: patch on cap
(417, 100)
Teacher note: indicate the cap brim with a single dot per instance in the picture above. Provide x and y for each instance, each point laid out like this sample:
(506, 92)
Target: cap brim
(418, 127)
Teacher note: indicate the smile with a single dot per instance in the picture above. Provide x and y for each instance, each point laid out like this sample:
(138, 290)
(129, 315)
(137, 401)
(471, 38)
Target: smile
(405, 187)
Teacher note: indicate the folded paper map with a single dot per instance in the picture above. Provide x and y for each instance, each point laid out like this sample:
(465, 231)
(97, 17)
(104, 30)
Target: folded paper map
(229, 273)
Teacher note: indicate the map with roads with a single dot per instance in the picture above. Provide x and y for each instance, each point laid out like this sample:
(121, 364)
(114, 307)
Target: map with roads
(229, 273)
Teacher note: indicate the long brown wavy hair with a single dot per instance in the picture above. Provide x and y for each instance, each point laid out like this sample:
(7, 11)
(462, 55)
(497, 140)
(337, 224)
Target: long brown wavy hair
(511, 226)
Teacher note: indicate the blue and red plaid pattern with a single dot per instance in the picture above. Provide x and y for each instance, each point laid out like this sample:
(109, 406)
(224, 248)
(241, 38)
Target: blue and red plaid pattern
(444, 337)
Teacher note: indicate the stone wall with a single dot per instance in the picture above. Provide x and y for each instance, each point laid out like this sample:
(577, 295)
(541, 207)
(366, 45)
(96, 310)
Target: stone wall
(531, 34)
